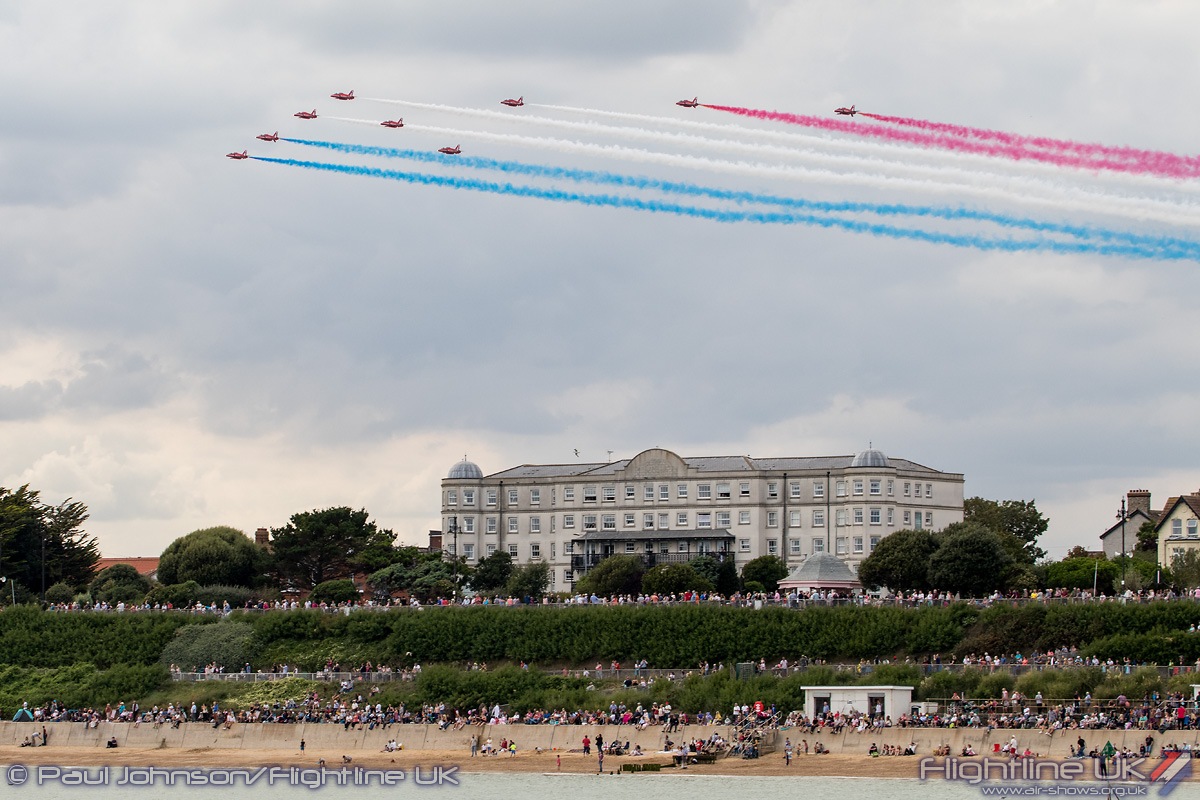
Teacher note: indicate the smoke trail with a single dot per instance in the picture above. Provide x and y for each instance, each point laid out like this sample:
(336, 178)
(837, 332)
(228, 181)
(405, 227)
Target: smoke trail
(1025, 191)
(964, 145)
(1081, 232)
(1043, 142)
(656, 206)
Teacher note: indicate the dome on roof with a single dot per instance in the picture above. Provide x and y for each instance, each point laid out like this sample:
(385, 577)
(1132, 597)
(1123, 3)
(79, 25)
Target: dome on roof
(870, 458)
(465, 470)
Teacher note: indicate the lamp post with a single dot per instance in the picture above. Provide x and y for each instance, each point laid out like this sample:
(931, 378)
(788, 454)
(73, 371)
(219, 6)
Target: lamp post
(454, 554)
(1121, 516)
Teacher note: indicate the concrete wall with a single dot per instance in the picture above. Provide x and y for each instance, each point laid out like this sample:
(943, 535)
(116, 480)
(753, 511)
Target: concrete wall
(333, 739)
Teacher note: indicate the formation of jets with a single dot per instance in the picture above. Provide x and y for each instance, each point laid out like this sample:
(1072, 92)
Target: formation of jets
(846, 112)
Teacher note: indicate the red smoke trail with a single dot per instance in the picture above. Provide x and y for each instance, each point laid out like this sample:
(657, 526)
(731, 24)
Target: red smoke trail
(1177, 168)
(1042, 142)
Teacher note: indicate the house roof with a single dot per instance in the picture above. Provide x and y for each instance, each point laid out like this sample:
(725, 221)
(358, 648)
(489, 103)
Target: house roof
(821, 571)
(1191, 501)
(652, 536)
(707, 464)
(145, 565)
(1133, 520)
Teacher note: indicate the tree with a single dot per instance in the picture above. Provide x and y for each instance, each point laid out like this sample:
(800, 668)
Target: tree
(39, 540)
(1185, 569)
(60, 593)
(970, 561)
(492, 573)
(675, 579)
(120, 583)
(614, 575)
(1083, 572)
(1017, 518)
(419, 574)
(338, 590)
(316, 546)
(767, 571)
(1078, 551)
(529, 580)
(900, 562)
(214, 556)
(1147, 538)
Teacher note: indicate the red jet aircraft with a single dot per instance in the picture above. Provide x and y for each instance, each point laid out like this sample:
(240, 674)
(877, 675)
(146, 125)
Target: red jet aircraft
(688, 103)
(268, 137)
(848, 112)
(306, 114)
(343, 95)
(393, 123)
(238, 156)
(450, 151)
(520, 101)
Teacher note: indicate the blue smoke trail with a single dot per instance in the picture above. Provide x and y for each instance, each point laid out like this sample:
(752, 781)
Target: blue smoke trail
(716, 215)
(1083, 232)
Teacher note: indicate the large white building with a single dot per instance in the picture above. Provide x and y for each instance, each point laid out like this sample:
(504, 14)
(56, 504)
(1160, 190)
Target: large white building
(665, 508)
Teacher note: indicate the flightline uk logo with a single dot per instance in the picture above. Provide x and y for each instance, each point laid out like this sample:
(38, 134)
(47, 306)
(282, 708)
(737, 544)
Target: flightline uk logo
(1036, 777)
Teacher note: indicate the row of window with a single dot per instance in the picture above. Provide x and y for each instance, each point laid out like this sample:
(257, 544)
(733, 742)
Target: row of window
(873, 487)
(707, 520)
(1177, 527)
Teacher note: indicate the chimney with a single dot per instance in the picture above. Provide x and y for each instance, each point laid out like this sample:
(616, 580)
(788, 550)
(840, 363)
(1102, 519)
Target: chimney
(435, 541)
(260, 537)
(1138, 499)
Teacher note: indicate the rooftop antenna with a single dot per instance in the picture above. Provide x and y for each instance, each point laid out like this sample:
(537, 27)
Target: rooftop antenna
(610, 452)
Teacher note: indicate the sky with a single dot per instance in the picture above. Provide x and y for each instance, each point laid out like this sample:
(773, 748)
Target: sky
(189, 340)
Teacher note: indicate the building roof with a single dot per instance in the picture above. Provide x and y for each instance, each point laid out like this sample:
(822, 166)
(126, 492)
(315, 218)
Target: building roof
(1191, 501)
(1133, 520)
(145, 565)
(652, 536)
(465, 470)
(821, 571)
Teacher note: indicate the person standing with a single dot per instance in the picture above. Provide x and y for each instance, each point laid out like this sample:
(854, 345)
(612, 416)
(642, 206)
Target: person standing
(600, 756)
(787, 752)
(474, 745)
(587, 745)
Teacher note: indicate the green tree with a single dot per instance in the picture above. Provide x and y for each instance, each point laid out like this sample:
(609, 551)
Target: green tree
(900, 562)
(613, 575)
(492, 573)
(338, 590)
(220, 555)
(970, 561)
(316, 546)
(1185, 569)
(37, 539)
(766, 571)
(1147, 538)
(675, 579)
(420, 574)
(1082, 573)
(529, 580)
(1017, 518)
(120, 583)
(727, 577)
(60, 593)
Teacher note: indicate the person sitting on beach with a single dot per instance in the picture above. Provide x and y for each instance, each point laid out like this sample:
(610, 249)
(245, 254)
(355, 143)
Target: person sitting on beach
(968, 750)
(111, 743)
(637, 750)
(873, 750)
(27, 743)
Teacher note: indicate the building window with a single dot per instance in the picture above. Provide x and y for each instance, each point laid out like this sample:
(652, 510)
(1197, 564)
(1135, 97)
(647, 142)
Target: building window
(723, 492)
(664, 521)
(512, 551)
(630, 547)
(892, 517)
(648, 491)
(535, 550)
(631, 520)
(681, 491)
(452, 497)
(858, 487)
(589, 494)
(512, 524)
(794, 546)
(1176, 527)
(469, 551)
(630, 492)
(841, 489)
(858, 544)
(744, 488)
(704, 491)
(468, 524)
(929, 490)
(744, 545)
(681, 519)
(876, 486)
(840, 517)
(553, 551)
(818, 518)
(491, 525)
(743, 518)
(874, 543)
(818, 489)
(664, 548)
(468, 497)
(793, 519)
(917, 521)
(818, 545)
(772, 547)
(907, 517)
(723, 519)
(664, 492)
(858, 516)
(568, 576)
(589, 522)
(704, 520)
(610, 494)
(535, 497)
(535, 524)
(841, 545)
(891, 488)
(568, 520)
(876, 516)
(648, 521)
(928, 519)
(906, 489)
(794, 490)
(610, 522)
(568, 494)
(491, 549)
(772, 490)
(772, 519)
(1191, 526)
(512, 497)
(683, 547)
(491, 497)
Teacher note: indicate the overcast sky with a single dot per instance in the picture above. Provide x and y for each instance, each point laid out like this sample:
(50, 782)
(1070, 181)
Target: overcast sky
(188, 340)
